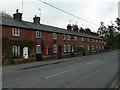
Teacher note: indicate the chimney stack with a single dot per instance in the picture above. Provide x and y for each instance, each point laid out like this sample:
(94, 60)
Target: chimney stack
(69, 27)
(75, 28)
(17, 15)
(36, 20)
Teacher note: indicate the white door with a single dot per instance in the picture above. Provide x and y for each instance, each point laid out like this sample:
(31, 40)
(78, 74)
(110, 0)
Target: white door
(25, 52)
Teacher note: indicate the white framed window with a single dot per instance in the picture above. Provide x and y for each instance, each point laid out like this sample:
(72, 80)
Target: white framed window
(54, 48)
(82, 46)
(38, 49)
(96, 40)
(64, 37)
(38, 34)
(102, 41)
(88, 40)
(64, 48)
(16, 50)
(68, 48)
(54, 36)
(99, 41)
(92, 47)
(68, 37)
(92, 40)
(75, 38)
(16, 32)
(82, 39)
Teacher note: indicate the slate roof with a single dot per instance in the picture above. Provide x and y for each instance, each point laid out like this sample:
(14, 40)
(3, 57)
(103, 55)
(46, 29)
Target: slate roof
(32, 26)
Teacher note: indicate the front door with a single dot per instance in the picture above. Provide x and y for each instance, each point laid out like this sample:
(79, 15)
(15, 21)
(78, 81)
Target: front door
(25, 52)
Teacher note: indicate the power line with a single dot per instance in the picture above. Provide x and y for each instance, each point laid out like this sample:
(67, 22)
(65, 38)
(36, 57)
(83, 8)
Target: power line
(67, 12)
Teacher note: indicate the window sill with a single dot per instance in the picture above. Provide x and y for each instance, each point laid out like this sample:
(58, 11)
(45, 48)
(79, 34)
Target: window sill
(16, 36)
(38, 37)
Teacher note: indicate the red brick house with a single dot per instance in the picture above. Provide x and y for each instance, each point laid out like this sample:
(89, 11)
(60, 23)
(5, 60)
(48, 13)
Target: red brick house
(23, 38)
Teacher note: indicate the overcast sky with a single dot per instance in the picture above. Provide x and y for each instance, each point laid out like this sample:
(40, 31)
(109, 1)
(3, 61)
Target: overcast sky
(92, 10)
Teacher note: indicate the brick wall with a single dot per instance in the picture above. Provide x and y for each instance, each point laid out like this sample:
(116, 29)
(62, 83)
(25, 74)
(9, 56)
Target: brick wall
(47, 37)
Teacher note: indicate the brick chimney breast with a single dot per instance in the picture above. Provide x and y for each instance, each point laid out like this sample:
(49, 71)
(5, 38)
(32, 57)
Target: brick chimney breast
(17, 15)
(36, 20)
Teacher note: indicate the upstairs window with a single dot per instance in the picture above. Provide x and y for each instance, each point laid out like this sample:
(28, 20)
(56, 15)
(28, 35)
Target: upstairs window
(75, 38)
(82, 39)
(92, 40)
(54, 48)
(64, 37)
(54, 36)
(68, 37)
(96, 40)
(38, 34)
(15, 32)
(88, 40)
(99, 41)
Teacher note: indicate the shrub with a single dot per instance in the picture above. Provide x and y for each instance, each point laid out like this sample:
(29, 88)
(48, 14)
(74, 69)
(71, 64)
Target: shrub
(17, 57)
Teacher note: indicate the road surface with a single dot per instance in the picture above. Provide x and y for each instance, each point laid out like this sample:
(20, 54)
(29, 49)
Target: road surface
(95, 71)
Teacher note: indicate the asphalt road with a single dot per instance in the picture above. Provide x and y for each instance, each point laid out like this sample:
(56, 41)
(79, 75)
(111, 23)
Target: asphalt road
(95, 71)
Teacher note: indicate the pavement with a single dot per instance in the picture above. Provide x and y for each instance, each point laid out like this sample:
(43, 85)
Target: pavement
(9, 68)
(94, 71)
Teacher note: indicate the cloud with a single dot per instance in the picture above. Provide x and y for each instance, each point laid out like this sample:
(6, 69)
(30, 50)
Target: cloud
(91, 10)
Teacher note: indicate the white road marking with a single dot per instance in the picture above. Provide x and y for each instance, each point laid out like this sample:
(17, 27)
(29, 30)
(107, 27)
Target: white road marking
(61, 72)
(92, 62)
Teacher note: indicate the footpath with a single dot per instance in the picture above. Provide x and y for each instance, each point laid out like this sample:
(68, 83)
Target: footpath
(9, 68)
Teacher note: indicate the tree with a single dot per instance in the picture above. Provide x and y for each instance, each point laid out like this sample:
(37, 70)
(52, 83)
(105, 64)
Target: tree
(4, 14)
(110, 35)
(102, 30)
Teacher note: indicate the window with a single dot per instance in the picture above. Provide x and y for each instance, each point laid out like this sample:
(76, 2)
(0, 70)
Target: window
(64, 37)
(92, 47)
(88, 47)
(54, 48)
(38, 34)
(64, 48)
(68, 48)
(82, 46)
(54, 36)
(96, 40)
(99, 47)
(102, 41)
(88, 40)
(99, 41)
(16, 50)
(75, 38)
(68, 37)
(15, 32)
(92, 40)
(38, 49)
(82, 39)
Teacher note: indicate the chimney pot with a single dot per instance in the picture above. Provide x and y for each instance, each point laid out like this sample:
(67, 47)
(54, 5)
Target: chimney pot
(17, 11)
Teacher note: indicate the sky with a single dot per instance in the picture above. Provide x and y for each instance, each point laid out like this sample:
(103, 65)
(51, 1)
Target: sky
(94, 11)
